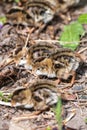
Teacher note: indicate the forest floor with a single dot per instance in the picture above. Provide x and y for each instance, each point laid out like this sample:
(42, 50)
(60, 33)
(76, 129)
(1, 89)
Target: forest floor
(12, 76)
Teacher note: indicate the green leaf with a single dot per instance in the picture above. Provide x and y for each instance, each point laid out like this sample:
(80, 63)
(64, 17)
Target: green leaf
(70, 37)
(4, 98)
(48, 128)
(17, 1)
(2, 19)
(1, 94)
(86, 120)
(83, 18)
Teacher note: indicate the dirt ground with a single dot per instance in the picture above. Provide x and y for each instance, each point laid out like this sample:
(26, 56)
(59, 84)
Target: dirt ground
(12, 76)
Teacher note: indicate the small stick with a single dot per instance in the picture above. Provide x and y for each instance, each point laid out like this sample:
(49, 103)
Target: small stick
(27, 116)
(29, 36)
(82, 50)
(70, 117)
(11, 61)
(57, 41)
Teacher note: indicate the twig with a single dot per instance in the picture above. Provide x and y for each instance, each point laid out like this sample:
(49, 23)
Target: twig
(82, 50)
(70, 117)
(26, 42)
(27, 116)
(23, 117)
(11, 61)
(36, 76)
(47, 41)
(57, 41)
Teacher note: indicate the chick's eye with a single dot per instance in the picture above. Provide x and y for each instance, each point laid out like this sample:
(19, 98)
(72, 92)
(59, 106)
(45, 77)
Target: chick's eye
(42, 12)
(37, 98)
(57, 66)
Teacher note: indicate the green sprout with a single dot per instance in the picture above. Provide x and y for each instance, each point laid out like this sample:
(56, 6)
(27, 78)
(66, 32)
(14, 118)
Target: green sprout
(86, 120)
(2, 19)
(48, 128)
(17, 1)
(5, 98)
(58, 113)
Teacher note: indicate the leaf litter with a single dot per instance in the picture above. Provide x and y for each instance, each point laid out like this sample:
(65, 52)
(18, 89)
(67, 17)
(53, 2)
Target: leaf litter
(13, 76)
